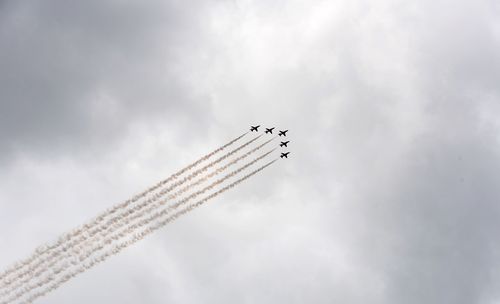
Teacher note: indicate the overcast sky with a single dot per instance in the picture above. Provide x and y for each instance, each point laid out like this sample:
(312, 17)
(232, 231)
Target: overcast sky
(392, 190)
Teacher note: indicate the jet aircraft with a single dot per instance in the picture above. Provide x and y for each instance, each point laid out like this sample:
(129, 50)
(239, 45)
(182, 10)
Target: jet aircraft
(284, 143)
(283, 133)
(269, 130)
(285, 155)
(252, 128)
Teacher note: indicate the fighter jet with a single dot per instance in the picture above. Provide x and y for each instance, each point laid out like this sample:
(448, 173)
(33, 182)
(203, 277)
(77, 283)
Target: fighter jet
(252, 128)
(284, 143)
(285, 155)
(283, 133)
(269, 130)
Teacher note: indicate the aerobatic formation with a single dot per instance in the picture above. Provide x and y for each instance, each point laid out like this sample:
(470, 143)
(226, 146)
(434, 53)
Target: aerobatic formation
(270, 131)
(124, 224)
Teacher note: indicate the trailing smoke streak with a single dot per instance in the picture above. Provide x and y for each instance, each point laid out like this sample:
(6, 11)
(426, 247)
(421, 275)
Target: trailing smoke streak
(137, 237)
(79, 259)
(76, 232)
(51, 254)
(123, 220)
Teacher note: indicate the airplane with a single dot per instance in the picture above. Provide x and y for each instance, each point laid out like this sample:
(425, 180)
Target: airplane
(269, 130)
(252, 128)
(285, 155)
(284, 143)
(283, 133)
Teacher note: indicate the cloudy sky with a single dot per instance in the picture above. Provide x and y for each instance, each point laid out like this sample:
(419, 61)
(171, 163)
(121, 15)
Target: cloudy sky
(392, 191)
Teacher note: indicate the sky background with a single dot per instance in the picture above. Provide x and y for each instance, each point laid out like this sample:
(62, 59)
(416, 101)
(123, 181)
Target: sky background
(391, 193)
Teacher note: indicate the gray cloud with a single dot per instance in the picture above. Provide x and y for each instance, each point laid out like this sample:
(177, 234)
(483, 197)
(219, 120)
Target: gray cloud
(390, 193)
(76, 74)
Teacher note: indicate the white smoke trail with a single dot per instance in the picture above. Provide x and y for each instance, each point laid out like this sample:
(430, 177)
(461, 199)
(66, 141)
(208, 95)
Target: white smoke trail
(84, 233)
(137, 237)
(74, 260)
(76, 232)
(74, 248)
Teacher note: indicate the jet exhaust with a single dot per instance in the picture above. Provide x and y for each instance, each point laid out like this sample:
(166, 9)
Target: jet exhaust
(92, 237)
(124, 224)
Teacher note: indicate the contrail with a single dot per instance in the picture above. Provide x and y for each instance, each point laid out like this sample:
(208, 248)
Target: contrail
(31, 265)
(123, 220)
(137, 237)
(44, 248)
(74, 260)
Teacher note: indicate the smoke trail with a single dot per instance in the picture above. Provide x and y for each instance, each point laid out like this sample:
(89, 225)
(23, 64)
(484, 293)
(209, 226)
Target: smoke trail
(44, 248)
(87, 234)
(130, 229)
(124, 219)
(84, 231)
(137, 237)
